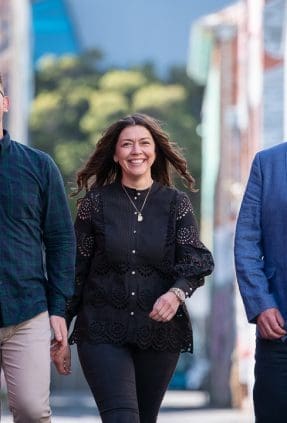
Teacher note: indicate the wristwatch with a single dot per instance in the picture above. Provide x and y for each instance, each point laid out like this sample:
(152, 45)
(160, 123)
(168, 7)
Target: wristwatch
(178, 293)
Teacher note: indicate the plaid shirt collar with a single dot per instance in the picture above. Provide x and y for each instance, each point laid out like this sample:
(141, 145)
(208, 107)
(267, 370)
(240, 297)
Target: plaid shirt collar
(4, 142)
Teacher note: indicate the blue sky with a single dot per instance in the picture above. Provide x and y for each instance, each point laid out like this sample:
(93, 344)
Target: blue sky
(133, 31)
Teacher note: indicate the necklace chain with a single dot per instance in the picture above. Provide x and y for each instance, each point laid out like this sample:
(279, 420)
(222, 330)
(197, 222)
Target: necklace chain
(139, 211)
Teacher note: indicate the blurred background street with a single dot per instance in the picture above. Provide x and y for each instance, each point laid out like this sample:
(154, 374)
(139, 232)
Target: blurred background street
(178, 407)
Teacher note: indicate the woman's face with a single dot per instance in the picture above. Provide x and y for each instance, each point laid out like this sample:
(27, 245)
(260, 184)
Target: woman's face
(135, 153)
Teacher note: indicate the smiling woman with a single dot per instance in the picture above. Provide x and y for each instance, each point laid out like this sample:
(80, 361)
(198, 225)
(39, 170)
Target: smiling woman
(135, 154)
(139, 256)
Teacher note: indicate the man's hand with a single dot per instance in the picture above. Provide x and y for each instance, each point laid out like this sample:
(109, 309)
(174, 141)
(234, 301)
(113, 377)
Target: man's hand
(270, 324)
(60, 354)
(165, 307)
(58, 324)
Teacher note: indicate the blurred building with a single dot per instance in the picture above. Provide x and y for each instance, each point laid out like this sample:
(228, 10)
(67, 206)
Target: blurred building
(15, 63)
(54, 31)
(238, 55)
(274, 102)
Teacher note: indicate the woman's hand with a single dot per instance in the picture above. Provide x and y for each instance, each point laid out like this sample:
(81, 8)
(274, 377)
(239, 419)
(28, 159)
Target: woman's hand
(61, 357)
(165, 307)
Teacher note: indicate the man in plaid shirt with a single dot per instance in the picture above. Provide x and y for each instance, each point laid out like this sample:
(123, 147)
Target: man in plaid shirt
(37, 251)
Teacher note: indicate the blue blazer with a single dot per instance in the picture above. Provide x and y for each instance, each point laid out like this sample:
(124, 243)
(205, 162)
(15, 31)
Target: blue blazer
(261, 235)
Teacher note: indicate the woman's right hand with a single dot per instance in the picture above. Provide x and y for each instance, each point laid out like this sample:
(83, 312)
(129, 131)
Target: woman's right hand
(61, 357)
(165, 307)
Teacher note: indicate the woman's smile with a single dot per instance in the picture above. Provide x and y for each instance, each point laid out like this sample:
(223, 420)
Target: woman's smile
(135, 154)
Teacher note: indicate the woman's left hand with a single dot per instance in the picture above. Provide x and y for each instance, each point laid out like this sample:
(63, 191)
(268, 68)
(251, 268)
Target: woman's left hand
(165, 307)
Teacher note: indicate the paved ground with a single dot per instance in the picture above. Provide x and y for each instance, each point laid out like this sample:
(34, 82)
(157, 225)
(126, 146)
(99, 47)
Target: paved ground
(178, 407)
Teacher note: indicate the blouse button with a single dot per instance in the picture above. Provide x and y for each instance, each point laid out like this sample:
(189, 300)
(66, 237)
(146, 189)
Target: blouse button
(135, 198)
(138, 193)
(132, 313)
(133, 272)
(135, 231)
(133, 251)
(135, 212)
(133, 293)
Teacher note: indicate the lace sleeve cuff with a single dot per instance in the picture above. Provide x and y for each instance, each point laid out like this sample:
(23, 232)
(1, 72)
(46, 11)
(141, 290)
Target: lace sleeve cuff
(188, 286)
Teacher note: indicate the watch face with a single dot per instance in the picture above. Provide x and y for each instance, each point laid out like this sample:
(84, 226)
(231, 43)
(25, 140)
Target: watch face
(181, 295)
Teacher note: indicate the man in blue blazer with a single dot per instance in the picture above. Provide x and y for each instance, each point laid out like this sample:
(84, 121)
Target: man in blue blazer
(261, 267)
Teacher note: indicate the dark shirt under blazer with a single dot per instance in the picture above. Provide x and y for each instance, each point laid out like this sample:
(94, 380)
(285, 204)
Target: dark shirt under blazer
(124, 265)
(37, 246)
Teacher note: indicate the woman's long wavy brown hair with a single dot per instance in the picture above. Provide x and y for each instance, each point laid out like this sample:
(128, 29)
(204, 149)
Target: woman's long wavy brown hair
(101, 169)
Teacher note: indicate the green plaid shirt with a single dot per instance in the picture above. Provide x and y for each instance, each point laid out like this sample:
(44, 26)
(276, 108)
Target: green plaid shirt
(37, 246)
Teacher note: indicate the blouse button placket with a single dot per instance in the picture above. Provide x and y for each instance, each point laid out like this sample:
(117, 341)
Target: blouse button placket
(136, 196)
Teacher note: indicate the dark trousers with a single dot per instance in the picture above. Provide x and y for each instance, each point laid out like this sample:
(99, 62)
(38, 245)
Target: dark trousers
(270, 388)
(128, 384)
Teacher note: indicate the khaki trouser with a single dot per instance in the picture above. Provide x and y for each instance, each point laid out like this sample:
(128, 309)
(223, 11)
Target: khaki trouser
(25, 360)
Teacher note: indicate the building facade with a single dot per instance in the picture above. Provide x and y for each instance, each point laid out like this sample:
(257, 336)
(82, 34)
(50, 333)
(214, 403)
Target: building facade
(239, 55)
(15, 63)
(54, 30)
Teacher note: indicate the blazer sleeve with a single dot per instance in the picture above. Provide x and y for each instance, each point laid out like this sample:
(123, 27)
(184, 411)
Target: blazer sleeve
(193, 260)
(248, 249)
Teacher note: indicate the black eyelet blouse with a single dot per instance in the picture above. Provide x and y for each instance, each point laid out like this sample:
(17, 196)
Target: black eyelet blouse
(124, 265)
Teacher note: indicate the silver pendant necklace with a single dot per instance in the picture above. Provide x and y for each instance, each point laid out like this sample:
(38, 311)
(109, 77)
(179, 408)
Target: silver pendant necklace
(138, 211)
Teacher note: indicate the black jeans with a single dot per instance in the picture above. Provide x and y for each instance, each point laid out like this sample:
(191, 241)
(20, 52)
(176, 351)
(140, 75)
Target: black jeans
(270, 388)
(128, 384)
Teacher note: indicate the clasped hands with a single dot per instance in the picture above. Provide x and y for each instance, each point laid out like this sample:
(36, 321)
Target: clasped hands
(60, 350)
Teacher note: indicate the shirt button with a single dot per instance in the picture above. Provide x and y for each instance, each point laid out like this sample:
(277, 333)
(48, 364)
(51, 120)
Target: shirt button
(133, 293)
(132, 313)
(139, 193)
(133, 251)
(133, 272)
(135, 198)
(135, 232)
(135, 212)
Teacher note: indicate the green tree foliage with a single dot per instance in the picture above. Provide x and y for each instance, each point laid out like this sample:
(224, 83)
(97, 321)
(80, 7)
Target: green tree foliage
(75, 101)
